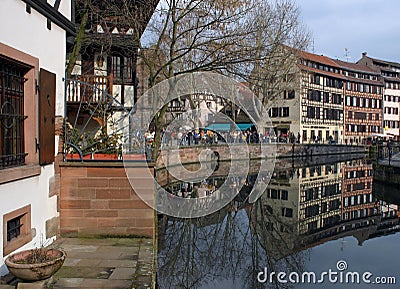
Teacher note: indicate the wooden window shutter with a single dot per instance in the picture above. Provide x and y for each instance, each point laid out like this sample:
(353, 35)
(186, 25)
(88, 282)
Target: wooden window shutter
(47, 98)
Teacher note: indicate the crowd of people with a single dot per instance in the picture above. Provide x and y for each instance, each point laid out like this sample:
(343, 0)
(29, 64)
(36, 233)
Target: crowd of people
(181, 137)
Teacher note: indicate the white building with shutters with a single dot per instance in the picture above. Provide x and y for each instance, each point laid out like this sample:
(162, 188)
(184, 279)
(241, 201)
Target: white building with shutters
(33, 42)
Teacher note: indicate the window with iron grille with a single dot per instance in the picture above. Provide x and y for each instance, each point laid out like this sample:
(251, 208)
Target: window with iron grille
(14, 228)
(12, 151)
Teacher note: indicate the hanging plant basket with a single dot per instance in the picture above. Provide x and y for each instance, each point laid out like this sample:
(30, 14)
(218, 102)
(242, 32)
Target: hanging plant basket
(35, 264)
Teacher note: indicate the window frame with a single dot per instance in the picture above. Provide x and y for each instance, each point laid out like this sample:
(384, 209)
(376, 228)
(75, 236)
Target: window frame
(25, 215)
(31, 110)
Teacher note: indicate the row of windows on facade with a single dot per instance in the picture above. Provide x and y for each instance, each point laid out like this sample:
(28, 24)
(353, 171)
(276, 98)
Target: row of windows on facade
(391, 110)
(337, 71)
(325, 96)
(277, 194)
(316, 193)
(391, 98)
(326, 81)
(328, 113)
(325, 222)
(350, 86)
(317, 170)
(285, 212)
(363, 102)
(314, 134)
(358, 186)
(357, 200)
(392, 85)
(320, 66)
(362, 115)
(358, 174)
(391, 124)
(336, 219)
(317, 209)
(363, 128)
(361, 213)
(361, 87)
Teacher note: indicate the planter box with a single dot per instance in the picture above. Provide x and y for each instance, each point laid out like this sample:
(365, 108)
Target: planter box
(134, 157)
(77, 157)
(99, 156)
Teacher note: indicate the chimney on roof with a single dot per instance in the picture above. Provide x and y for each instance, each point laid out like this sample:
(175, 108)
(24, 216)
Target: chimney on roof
(364, 54)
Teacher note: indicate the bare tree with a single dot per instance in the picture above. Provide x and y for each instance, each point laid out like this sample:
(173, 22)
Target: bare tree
(239, 39)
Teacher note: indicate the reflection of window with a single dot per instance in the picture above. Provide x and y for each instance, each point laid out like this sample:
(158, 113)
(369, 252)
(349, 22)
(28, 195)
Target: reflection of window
(12, 151)
(312, 226)
(269, 226)
(287, 212)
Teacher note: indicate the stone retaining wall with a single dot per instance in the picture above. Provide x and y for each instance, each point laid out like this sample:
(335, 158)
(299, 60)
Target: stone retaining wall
(96, 199)
(253, 151)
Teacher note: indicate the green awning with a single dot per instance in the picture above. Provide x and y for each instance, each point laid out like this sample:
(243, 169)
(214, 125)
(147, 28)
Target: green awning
(219, 127)
(227, 126)
(244, 126)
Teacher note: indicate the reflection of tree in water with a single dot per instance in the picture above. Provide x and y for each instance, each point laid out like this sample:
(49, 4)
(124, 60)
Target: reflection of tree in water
(224, 250)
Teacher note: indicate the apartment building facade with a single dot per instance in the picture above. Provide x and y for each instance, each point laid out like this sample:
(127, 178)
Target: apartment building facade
(312, 106)
(337, 101)
(363, 102)
(390, 72)
(322, 88)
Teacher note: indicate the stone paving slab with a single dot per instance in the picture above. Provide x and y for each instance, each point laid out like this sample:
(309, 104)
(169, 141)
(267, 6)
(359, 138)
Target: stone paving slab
(106, 263)
(114, 263)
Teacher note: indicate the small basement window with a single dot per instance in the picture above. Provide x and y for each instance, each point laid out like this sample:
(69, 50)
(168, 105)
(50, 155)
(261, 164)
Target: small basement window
(16, 229)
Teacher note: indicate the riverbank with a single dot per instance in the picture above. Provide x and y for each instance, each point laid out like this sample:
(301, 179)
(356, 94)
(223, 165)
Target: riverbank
(186, 155)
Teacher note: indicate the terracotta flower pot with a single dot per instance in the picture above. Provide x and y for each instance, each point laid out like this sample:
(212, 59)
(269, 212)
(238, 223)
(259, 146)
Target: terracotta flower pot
(22, 266)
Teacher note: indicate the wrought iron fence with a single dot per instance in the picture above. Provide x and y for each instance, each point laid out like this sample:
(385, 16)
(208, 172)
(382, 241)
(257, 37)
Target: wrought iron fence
(97, 125)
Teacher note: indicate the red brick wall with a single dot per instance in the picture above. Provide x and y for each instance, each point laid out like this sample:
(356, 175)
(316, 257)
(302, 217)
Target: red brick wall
(98, 200)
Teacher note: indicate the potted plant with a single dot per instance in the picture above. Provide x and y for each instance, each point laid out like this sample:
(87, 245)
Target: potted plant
(35, 264)
(107, 146)
(94, 145)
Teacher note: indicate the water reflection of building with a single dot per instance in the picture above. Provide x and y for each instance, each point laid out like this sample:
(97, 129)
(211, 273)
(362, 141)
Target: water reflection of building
(299, 203)
(357, 191)
(318, 204)
(320, 197)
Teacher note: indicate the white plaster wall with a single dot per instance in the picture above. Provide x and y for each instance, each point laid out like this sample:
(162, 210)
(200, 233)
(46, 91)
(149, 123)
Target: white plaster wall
(28, 33)
(393, 104)
(34, 191)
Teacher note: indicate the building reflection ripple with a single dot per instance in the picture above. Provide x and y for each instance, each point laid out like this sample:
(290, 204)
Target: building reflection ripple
(302, 207)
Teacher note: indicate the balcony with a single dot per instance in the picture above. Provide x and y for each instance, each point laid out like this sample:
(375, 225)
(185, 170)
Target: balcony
(88, 89)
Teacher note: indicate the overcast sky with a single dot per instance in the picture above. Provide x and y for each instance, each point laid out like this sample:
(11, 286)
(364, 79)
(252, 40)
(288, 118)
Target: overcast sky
(371, 26)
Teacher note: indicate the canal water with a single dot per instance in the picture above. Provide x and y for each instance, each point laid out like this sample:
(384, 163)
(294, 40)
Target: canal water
(317, 225)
